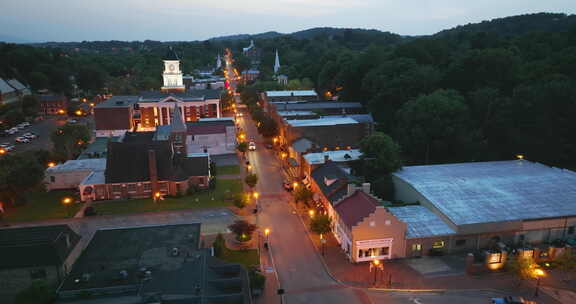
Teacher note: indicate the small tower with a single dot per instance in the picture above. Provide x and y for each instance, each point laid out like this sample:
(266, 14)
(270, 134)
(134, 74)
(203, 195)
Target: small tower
(276, 63)
(218, 62)
(173, 81)
(178, 131)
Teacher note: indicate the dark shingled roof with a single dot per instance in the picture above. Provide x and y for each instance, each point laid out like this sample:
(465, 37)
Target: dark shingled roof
(171, 54)
(355, 208)
(36, 246)
(128, 161)
(330, 171)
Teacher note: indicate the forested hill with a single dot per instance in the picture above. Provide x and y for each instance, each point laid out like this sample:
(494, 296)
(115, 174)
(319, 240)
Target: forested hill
(517, 25)
(265, 35)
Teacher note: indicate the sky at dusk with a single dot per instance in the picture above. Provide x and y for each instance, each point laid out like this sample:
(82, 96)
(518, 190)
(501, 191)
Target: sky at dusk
(169, 20)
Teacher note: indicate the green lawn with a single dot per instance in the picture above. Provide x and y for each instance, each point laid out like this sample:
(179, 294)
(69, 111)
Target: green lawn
(248, 257)
(228, 170)
(222, 196)
(41, 206)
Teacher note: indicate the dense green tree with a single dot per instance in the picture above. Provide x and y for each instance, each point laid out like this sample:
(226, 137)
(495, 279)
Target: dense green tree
(380, 154)
(243, 230)
(432, 126)
(69, 139)
(251, 180)
(19, 173)
(321, 224)
(303, 195)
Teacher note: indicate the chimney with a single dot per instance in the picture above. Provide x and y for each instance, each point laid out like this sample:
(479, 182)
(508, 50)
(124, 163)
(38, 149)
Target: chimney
(153, 171)
(351, 189)
(366, 188)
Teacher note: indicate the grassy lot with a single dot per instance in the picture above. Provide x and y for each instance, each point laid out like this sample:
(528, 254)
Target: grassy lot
(222, 196)
(41, 206)
(247, 257)
(228, 170)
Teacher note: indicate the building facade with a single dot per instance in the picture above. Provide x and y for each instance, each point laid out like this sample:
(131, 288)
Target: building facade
(53, 104)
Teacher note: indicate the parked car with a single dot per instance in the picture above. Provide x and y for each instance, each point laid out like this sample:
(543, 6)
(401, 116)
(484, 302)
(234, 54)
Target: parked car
(252, 146)
(30, 135)
(21, 140)
(511, 300)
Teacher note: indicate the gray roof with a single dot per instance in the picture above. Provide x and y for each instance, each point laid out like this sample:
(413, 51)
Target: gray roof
(302, 144)
(304, 106)
(118, 102)
(16, 84)
(98, 148)
(5, 87)
(177, 122)
(361, 118)
(421, 222)
(484, 192)
(90, 164)
(336, 156)
(296, 93)
(324, 121)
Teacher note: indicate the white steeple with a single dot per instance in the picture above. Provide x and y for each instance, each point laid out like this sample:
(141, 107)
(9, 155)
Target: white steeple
(218, 62)
(276, 63)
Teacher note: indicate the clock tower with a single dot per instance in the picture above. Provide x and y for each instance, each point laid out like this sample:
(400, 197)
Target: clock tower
(172, 74)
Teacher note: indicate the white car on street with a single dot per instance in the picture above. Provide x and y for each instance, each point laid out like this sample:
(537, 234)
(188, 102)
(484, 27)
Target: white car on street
(252, 146)
(22, 139)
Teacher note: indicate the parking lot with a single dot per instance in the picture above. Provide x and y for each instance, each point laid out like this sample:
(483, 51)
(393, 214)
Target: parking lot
(42, 129)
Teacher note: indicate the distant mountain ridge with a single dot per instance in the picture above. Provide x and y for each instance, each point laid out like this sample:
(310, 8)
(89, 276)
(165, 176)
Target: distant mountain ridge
(517, 25)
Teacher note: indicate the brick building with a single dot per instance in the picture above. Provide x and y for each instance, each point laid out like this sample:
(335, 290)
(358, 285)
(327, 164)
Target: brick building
(53, 104)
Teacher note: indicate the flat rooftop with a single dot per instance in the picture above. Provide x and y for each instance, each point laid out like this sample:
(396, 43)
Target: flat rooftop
(98, 148)
(337, 156)
(114, 251)
(118, 102)
(486, 192)
(296, 93)
(295, 113)
(94, 164)
(329, 121)
(421, 222)
(315, 105)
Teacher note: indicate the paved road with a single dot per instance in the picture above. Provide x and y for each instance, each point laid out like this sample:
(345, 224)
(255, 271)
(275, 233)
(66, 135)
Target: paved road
(300, 270)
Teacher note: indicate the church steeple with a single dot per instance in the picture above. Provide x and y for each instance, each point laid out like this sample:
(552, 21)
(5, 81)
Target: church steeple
(173, 81)
(218, 62)
(276, 63)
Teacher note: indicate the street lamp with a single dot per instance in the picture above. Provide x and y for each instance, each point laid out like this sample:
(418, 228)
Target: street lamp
(266, 233)
(295, 184)
(520, 156)
(156, 197)
(322, 244)
(376, 265)
(311, 213)
(66, 201)
(538, 273)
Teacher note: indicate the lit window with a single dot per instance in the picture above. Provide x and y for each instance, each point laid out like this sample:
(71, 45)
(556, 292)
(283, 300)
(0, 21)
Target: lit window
(438, 244)
(416, 247)
(495, 258)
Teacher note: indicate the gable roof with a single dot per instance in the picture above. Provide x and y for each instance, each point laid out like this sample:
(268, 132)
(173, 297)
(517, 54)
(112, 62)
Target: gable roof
(5, 87)
(36, 246)
(323, 176)
(354, 208)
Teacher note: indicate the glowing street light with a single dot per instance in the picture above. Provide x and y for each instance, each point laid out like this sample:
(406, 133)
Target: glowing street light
(538, 273)
(66, 201)
(256, 195)
(78, 112)
(311, 213)
(2, 151)
(51, 164)
(295, 185)
(376, 265)
(520, 156)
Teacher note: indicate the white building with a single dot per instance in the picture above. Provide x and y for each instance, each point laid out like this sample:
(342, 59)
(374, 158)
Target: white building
(71, 173)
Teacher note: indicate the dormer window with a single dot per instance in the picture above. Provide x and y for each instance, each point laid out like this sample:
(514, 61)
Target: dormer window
(329, 181)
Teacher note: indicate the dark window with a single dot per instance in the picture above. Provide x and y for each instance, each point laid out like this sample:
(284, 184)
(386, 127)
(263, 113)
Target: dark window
(37, 274)
(131, 187)
(147, 187)
(460, 242)
(116, 188)
(52, 179)
(571, 230)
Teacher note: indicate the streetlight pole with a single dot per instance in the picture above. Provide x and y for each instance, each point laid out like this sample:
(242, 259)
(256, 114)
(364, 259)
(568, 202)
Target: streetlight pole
(539, 273)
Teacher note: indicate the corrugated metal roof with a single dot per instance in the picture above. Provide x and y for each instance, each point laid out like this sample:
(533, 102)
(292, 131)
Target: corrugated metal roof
(337, 156)
(484, 192)
(325, 121)
(96, 164)
(421, 222)
(297, 93)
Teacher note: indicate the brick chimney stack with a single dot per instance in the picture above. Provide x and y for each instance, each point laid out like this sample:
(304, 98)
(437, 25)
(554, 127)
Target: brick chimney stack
(153, 171)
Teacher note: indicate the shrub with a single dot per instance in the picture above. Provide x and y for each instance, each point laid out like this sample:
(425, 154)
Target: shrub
(243, 230)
